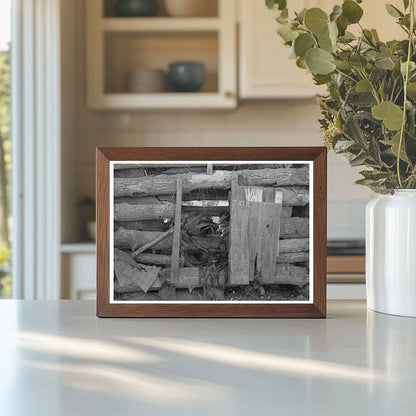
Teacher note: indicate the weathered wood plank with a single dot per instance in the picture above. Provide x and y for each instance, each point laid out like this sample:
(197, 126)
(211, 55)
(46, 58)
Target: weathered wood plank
(254, 197)
(269, 229)
(129, 272)
(174, 273)
(166, 184)
(238, 256)
(297, 257)
(189, 277)
(293, 245)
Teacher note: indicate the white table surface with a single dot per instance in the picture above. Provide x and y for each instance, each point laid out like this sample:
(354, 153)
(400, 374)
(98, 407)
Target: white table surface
(57, 359)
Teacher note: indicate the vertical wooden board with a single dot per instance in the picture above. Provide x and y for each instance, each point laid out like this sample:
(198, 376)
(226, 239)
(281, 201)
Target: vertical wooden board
(238, 256)
(253, 193)
(254, 197)
(237, 191)
(269, 230)
(269, 195)
(253, 235)
(174, 271)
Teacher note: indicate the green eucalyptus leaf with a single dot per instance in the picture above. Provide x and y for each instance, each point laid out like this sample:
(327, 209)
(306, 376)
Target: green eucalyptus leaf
(321, 79)
(386, 62)
(343, 65)
(393, 11)
(411, 90)
(394, 146)
(358, 61)
(347, 37)
(343, 145)
(375, 35)
(336, 12)
(276, 4)
(286, 32)
(374, 150)
(358, 160)
(301, 63)
(325, 42)
(316, 20)
(319, 61)
(351, 11)
(342, 25)
(363, 86)
(388, 112)
(300, 17)
(303, 43)
(412, 67)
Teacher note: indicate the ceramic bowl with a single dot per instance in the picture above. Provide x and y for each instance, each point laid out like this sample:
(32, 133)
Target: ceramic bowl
(186, 76)
(135, 8)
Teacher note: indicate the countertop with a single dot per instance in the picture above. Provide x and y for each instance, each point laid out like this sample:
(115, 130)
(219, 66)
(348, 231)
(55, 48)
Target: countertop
(57, 358)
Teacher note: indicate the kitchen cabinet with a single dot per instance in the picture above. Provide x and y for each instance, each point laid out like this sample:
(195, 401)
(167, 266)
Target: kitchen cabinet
(265, 70)
(118, 45)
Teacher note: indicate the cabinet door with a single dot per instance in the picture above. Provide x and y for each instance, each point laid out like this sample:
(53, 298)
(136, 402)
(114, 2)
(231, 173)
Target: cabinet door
(265, 68)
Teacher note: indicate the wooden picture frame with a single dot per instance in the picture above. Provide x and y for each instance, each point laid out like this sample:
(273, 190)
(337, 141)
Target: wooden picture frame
(314, 157)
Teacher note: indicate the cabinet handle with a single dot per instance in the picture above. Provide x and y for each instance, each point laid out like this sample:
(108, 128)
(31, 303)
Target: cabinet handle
(228, 94)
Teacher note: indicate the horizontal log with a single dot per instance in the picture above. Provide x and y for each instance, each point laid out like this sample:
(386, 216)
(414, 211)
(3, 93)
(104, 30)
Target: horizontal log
(220, 179)
(124, 211)
(293, 257)
(285, 213)
(190, 277)
(147, 225)
(294, 227)
(129, 173)
(156, 259)
(129, 212)
(293, 245)
(118, 166)
(292, 196)
(133, 239)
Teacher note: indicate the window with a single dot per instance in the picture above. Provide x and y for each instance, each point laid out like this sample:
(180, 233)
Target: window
(5, 145)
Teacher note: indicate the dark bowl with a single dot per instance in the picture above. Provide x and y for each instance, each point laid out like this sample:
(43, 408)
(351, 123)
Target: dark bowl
(136, 8)
(186, 76)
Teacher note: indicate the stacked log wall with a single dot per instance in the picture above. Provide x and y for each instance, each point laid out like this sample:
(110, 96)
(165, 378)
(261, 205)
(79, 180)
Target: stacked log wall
(145, 205)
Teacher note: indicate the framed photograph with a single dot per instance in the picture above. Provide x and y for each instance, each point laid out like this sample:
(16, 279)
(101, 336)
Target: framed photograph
(211, 232)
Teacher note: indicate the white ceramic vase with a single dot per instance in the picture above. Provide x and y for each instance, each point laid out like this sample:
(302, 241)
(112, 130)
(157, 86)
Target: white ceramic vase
(391, 253)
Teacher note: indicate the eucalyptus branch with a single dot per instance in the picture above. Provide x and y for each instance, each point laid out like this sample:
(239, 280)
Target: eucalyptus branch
(405, 81)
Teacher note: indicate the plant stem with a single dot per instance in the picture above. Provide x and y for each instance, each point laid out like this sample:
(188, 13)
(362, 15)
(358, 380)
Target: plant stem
(406, 80)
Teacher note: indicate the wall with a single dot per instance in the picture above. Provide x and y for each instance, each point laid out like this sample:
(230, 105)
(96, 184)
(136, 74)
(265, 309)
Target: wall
(265, 123)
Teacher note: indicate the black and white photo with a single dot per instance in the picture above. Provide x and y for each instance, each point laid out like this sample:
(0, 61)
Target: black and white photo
(211, 231)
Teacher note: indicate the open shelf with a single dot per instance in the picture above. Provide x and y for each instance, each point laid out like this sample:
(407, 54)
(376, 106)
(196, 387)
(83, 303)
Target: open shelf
(160, 24)
(127, 51)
